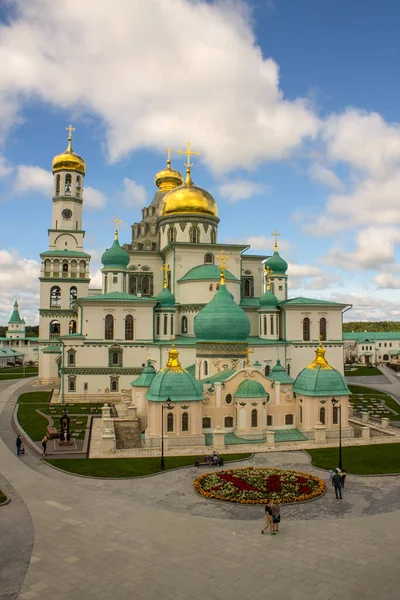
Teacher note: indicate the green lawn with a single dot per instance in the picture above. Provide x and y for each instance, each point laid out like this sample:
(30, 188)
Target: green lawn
(35, 424)
(365, 460)
(366, 398)
(3, 497)
(19, 369)
(130, 467)
(15, 375)
(361, 371)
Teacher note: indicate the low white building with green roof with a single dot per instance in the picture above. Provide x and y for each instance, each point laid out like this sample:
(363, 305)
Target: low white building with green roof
(21, 348)
(372, 347)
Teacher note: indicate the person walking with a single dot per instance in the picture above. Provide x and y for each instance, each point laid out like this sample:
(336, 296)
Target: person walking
(18, 443)
(44, 445)
(337, 482)
(268, 517)
(276, 516)
(343, 478)
(330, 475)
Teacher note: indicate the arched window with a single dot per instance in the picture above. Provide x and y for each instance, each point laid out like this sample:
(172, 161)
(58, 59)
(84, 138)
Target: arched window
(194, 235)
(158, 325)
(265, 325)
(68, 181)
(78, 186)
(47, 265)
(288, 369)
(114, 385)
(322, 415)
(185, 421)
(228, 399)
(205, 368)
(73, 293)
(54, 329)
(301, 414)
(322, 329)
(184, 325)
(228, 422)
(72, 327)
(254, 418)
(109, 327)
(71, 358)
(306, 329)
(165, 325)
(335, 415)
(213, 236)
(146, 286)
(270, 420)
(267, 370)
(74, 268)
(206, 422)
(170, 422)
(65, 267)
(82, 268)
(132, 284)
(55, 297)
(129, 327)
(247, 288)
(289, 419)
(172, 234)
(271, 322)
(56, 267)
(71, 384)
(58, 179)
(172, 324)
(115, 358)
(209, 258)
(211, 287)
(273, 287)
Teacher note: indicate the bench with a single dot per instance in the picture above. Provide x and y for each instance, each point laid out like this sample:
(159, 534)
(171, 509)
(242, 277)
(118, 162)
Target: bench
(52, 432)
(198, 462)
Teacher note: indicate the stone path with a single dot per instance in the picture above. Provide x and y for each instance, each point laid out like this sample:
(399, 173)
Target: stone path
(154, 538)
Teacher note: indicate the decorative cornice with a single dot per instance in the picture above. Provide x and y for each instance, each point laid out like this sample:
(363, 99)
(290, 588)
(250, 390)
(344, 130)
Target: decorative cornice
(67, 279)
(102, 371)
(57, 312)
(193, 218)
(68, 199)
(190, 307)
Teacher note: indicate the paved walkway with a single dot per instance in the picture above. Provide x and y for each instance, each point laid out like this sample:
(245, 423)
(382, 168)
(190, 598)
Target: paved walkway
(154, 538)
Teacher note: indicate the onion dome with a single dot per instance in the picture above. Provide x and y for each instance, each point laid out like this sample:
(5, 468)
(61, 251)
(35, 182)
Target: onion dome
(168, 179)
(279, 373)
(165, 298)
(15, 317)
(146, 376)
(69, 160)
(250, 389)
(268, 299)
(222, 319)
(174, 383)
(275, 262)
(115, 257)
(320, 379)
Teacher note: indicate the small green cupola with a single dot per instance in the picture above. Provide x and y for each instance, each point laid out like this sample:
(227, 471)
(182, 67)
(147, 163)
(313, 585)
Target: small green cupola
(250, 389)
(15, 316)
(268, 300)
(320, 379)
(146, 376)
(275, 262)
(222, 320)
(115, 258)
(174, 383)
(279, 373)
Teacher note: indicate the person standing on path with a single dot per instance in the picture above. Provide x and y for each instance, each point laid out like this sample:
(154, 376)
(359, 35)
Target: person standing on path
(268, 517)
(337, 482)
(343, 478)
(44, 445)
(18, 443)
(276, 516)
(330, 475)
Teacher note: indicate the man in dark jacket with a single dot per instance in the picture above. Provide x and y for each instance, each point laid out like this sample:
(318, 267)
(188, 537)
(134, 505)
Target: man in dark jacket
(18, 443)
(336, 481)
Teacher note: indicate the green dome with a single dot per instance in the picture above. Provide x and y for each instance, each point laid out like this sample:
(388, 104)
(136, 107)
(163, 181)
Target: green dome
(250, 389)
(146, 376)
(268, 299)
(174, 383)
(279, 373)
(115, 257)
(165, 299)
(320, 379)
(207, 272)
(276, 263)
(15, 317)
(222, 319)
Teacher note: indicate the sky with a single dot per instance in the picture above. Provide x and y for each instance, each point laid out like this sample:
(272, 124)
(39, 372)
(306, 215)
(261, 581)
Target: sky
(293, 106)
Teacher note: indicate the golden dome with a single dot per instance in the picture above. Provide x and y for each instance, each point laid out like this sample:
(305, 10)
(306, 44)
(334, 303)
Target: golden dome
(188, 199)
(68, 160)
(168, 179)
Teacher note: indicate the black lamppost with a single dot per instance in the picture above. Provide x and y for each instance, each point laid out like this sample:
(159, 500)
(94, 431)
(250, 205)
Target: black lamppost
(168, 406)
(334, 403)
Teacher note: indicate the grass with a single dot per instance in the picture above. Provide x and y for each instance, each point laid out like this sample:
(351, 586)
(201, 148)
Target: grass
(129, 467)
(360, 371)
(35, 425)
(373, 398)
(8, 375)
(3, 497)
(363, 460)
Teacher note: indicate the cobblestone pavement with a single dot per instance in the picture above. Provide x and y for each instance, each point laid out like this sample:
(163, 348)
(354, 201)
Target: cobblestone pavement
(154, 538)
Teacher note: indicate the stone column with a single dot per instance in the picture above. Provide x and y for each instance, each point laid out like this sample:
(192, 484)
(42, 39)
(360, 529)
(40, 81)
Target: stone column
(366, 433)
(385, 422)
(351, 411)
(108, 437)
(132, 412)
(106, 411)
(218, 437)
(364, 417)
(277, 392)
(319, 434)
(270, 441)
(218, 390)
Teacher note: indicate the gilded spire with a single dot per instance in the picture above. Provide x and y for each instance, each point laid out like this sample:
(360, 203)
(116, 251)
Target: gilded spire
(166, 268)
(117, 222)
(188, 165)
(275, 235)
(70, 129)
(248, 352)
(168, 151)
(268, 272)
(222, 262)
(319, 360)
(173, 363)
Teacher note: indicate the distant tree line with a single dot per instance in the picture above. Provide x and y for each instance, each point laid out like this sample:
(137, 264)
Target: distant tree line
(30, 330)
(371, 326)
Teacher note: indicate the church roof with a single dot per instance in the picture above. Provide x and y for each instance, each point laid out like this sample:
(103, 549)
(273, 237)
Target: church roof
(115, 257)
(371, 336)
(206, 272)
(276, 263)
(118, 296)
(268, 300)
(320, 379)
(165, 299)
(174, 383)
(222, 319)
(146, 376)
(311, 301)
(15, 317)
(10, 352)
(65, 254)
(225, 374)
(250, 389)
(250, 303)
(279, 373)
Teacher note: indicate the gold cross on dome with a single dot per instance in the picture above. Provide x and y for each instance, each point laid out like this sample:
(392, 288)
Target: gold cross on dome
(117, 222)
(168, 151)
(268, 271)
(222, 261)
(188, 153)
(248, 352)
(166, 268)
(70, 129)
(275, 235)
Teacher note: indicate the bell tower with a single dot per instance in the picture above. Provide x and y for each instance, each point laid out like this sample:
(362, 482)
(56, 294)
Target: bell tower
(64, 272)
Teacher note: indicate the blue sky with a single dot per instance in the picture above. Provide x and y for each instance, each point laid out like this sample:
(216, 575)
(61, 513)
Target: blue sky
(293, 106)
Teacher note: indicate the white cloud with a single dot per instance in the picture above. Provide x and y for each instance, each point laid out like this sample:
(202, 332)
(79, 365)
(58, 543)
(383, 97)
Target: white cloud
(129, 64)
(310, 277)
(367, 307)
(93, 199)
(36, 179)
(261, 242)
(374, 247)
(5, 168)
(387, 281)
(19, 279)
(235, 191)
(325, 176)
(132, 194)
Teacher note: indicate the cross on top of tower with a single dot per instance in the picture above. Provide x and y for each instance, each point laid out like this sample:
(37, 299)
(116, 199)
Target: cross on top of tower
(188, 165)
(168, 151)
(248, 352)
(268, 271)
(275, 235)
(117, 222)
(166, 268)
(70, 129)
(222, 261)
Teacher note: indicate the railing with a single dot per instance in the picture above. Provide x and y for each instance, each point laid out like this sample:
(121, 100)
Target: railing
(53, 336)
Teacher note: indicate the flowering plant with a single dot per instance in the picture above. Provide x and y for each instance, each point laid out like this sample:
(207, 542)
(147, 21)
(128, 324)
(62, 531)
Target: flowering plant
(251, 485)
